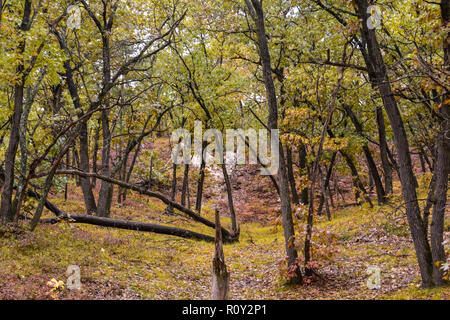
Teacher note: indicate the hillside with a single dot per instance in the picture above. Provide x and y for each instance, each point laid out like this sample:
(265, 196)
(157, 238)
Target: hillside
(120, 264)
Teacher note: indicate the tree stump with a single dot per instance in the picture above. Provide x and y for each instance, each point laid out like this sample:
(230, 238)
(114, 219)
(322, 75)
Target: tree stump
(220, 275)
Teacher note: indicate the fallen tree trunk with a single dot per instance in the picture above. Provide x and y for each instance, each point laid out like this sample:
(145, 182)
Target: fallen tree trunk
(130, 225)
(119, 224)
(225, 233)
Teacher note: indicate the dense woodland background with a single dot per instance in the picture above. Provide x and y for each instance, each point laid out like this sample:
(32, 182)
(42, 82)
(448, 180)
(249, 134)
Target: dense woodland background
(85, 124)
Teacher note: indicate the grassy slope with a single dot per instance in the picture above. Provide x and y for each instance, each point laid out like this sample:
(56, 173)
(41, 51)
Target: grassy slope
(119, 264)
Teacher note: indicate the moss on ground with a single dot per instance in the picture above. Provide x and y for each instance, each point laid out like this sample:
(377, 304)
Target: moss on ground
(120, 264)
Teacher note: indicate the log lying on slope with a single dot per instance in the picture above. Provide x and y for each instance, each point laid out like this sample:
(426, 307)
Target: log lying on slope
(120, 224)
(227, 236)
(130, 225)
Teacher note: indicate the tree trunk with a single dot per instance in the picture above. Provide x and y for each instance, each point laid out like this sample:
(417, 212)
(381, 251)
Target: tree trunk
(106, 189)
(150, 173)
(379, 78)
(6, 212)
(291, 177)
(76, 164)
(95, 154)
(356, 179)
(387, 170)
(442, 166)
(370, 162)
(86, 187)
(422, 161)
(325, 198)
(122, 164)
(173, 189)
(234, 227)
(441, 171)
(66, 186)
(48, 184)
(220, 275)
(152, 194)
(30, 96)
(131, 225)
(130, 170)
(256, 10)
(326, 182)
(185, 187)
(258, 159)
(302, 165)
(201, 180)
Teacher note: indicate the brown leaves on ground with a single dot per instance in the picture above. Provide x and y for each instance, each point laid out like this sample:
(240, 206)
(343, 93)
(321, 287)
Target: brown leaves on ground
(120, 264)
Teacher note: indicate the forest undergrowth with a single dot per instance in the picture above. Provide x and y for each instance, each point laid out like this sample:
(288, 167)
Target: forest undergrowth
(120, 264)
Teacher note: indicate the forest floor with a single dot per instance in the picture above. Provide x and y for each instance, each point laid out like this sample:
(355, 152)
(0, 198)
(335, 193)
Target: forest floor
(120, 264)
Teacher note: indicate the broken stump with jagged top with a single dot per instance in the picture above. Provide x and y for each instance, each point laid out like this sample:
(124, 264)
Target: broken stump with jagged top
(220, 275)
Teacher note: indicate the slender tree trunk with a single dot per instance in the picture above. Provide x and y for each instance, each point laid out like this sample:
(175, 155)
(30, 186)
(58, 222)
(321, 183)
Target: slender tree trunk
(325, 198)
(201, 181)
(427, 160)
(258, 159)
(431, 199)
(291, 177)
(379, 78)
(66, 187)
(234, 227)
(106, 188)
(327, 181)
(422, 161)
(173, 189)
(371, 184)
(123, 164)
(6, 212)
(256, 11)
(330, 195)
(76, 164)
(188, 196)
(302, 165)
(95, 154)
(387, 170)
(1, 11)
(48, 184)
(370, 162)
(150, 173)
(442, 166)
(441, 171)
(185, 187)
(169, 208)
(86, 187)
(356, 179)
(30, 96)
(314, 175)
(130, 170)
(359, 186)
